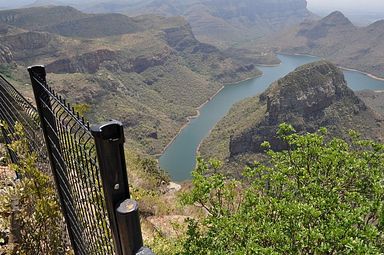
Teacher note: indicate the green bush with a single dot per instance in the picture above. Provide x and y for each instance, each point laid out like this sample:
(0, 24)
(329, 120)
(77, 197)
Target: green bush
(31, 204)
(317, 197)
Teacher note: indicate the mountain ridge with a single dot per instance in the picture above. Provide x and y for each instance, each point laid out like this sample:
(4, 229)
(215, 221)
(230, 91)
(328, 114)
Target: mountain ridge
(335, 38)
(217, 22)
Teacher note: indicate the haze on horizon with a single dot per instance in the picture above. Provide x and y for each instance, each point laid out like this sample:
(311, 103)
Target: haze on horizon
(347, 5)
(360, 11)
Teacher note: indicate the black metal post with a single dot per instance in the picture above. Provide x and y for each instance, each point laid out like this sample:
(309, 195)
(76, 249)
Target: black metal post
(109, 140)
(128, 220)
(48, 125)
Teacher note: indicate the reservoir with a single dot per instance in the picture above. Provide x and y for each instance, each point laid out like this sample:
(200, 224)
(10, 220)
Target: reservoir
(180, 157)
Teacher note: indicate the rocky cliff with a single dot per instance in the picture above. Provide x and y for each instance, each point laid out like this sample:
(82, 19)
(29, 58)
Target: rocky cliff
(5, 55)
(91, 62)
(180, 42)
(313, 96)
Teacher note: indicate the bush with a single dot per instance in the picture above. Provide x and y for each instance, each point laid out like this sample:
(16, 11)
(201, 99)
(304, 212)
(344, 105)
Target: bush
(317, 197)
(32, 206)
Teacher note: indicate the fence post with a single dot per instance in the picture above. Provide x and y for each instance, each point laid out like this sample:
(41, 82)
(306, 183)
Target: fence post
(128, 220)
(109, 140)
(48, 125)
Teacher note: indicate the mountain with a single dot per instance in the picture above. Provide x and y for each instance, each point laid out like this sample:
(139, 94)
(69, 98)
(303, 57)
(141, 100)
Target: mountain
(338, 40)
(313, 96)
(35, 18)
(150, 72)
(219, 22)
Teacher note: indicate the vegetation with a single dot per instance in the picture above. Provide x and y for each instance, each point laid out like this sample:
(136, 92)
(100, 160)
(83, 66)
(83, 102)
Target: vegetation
(317, 197)
(5, 71)
(30, 209)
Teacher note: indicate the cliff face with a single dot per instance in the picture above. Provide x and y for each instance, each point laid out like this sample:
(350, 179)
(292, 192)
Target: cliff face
(5, 55)
(180, 43)
(91, 62)
(27, 46)
(313, 96)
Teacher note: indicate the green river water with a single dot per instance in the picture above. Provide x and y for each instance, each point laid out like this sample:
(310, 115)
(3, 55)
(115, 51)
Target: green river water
(180, 157)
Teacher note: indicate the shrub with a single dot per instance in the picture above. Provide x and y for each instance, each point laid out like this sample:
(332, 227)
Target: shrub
(317, 197)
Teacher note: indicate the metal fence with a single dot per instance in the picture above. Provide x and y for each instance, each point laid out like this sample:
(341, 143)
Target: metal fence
(14, 108)
(88, 167)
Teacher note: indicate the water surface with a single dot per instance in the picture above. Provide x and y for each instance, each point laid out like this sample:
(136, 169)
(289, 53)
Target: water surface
(180, 157)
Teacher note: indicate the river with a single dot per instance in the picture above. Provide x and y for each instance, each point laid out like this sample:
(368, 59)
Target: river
(180, 157)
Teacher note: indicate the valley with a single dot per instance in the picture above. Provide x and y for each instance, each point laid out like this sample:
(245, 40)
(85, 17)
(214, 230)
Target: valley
(210, 134)
(149, 72)
(269, 118)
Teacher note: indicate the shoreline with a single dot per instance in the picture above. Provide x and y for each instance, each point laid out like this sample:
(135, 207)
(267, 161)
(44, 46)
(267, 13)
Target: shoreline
(362, 72)
(190, 118)
(298, 54)
(339, 66)
(265, 65)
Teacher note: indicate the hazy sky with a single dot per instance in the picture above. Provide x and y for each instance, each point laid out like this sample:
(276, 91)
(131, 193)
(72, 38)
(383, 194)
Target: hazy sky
(323, 5)
(354, 5)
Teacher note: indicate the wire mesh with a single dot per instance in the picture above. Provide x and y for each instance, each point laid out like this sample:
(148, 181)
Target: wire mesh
(76, 166)
(73, 157)
(14, 108)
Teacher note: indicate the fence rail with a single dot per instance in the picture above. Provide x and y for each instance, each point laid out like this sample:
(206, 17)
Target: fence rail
(88, 167)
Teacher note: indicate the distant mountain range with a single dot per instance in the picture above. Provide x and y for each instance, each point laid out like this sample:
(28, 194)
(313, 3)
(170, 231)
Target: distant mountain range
(313, 96)
(224, 22)
(338, 40)
(219, 22)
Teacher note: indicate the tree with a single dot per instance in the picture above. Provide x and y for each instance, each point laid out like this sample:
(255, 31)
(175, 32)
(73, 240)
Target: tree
(317, 197)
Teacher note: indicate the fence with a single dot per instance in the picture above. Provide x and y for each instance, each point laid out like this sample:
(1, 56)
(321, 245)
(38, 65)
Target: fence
(14, 108)
(88, 167)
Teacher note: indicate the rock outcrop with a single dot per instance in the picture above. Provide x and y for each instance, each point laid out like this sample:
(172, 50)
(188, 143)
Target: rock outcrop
(5, 55)
(91, 62)
(313, 96)
(27, 41)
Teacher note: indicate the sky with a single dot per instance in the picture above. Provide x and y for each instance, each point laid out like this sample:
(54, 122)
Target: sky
(347, 5)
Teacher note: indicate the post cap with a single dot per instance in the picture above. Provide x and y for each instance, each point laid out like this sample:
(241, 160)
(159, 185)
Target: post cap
(112, 131)
(39, 69)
